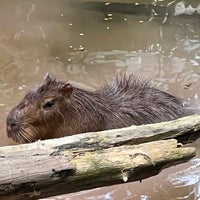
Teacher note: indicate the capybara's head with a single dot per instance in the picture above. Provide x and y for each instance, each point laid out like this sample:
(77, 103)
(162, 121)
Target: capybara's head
(40, 113)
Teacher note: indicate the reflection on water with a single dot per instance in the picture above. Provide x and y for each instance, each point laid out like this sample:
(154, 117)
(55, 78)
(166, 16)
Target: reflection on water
(197, 190)
(186, 177)
(85, 42)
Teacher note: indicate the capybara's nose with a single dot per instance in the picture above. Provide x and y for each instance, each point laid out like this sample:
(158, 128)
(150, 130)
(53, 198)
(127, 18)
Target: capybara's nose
(11, 122)
(12, 125)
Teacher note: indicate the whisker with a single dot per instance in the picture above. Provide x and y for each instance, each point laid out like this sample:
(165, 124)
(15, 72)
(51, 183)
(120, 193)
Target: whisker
(24, 135)
(47, 122)
(64, 121)
(34, 133)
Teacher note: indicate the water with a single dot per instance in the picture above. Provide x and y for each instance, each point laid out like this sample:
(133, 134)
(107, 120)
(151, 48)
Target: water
(83, 43)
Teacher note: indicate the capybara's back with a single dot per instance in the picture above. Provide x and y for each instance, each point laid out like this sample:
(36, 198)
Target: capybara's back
(136, 102)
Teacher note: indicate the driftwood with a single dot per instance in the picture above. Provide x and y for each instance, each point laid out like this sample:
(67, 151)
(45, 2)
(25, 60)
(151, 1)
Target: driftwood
(152, 8)
(69, 164)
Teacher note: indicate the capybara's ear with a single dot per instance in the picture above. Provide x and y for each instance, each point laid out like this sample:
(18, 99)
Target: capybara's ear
(46, 82)
(66, 89)
(47, 79)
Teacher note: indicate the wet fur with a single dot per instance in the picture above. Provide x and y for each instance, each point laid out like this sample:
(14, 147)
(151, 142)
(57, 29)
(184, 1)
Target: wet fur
(124, 101)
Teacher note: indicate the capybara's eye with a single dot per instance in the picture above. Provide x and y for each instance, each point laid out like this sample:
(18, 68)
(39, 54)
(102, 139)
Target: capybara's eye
(49, 104)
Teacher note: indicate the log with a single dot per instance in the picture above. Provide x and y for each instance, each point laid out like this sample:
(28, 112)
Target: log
(133, 134)
(32, 173)
(164, 8)
(89, 160)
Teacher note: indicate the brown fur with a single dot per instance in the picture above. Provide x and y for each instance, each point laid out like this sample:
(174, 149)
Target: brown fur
(57, 109)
